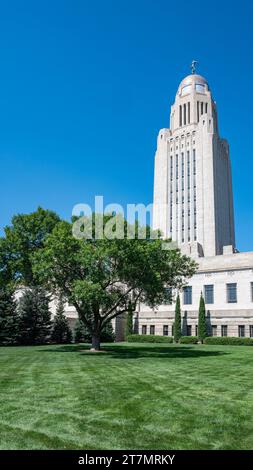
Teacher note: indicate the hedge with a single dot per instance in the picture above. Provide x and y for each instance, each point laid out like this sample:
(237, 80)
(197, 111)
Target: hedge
(188, 340)
(149, 339)
(229, 340)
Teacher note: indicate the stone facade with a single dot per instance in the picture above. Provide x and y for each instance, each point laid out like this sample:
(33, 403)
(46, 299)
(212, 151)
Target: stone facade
(192, 185)
(193, 205)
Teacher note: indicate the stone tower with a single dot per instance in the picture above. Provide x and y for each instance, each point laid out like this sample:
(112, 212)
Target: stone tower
(193, 199)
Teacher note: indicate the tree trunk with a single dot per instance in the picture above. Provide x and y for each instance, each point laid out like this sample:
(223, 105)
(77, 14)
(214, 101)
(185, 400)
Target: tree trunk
(95, 343)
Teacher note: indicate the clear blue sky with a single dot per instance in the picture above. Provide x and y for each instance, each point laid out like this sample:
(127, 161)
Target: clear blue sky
(86, 85)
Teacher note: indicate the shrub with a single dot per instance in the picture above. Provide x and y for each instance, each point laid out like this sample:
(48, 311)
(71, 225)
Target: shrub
(149, 339)
(229, 340)
(189, 339)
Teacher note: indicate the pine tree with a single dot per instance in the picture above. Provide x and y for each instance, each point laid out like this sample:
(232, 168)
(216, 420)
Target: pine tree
(107, 333)
(177, 324)
(80, 333)
(34, 316)
(129, 321)
(8, 317)
(202, 326)
(61, 332)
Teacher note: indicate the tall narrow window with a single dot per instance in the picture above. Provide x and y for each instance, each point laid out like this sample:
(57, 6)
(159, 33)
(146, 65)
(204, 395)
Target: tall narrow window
(241, 331)
(194, 161)
(180, 116)
(224, 330)
(165, 330)
(187, 295)
(206, 107)
(184, 114)
(182, 156)
(202, 107)
(251, 291)
(208, 292)
(152, 329)
(177, 166)
(197, 111)
(214, 330)
(232, 293)
(251, 331)
(144, 329)
(189, 112)
(171, 168)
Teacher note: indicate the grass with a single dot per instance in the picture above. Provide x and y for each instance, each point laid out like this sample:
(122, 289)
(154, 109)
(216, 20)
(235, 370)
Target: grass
(134, 396)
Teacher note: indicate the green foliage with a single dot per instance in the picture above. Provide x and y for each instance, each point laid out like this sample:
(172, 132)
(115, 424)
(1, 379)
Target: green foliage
(229, 340)
(149, 339)
(22, 239)
(177, 324)
(34, 316)
(82, 334)
(129, 321)
(61, 332)
(202, 326)
(8, 317)
(100, 276)
(188, 340)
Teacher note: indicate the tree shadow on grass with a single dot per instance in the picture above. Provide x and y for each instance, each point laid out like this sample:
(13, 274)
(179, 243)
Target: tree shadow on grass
(133, 352)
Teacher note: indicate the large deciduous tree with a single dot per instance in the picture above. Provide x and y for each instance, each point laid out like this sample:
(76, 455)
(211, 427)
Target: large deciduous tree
(101, 276)
(22, 239)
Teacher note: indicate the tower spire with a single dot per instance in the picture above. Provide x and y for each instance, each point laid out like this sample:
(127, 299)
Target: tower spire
(193, 66)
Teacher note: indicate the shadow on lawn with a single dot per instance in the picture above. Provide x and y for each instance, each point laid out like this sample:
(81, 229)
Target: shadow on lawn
(133, 351)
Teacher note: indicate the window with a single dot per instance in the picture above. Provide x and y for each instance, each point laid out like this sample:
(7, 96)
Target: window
(214, 330)
(232, 293)
(189, 330)
(152, 329)
(187, 295)
(180, 115)
(189, 113)
(168, 295)
(251, 331)
(165, 330)
(184, 114)
(200, 88)
(241, 331)
(196, 330)
(224, 330)
(144, 329)
(251, 290)
(208, 293)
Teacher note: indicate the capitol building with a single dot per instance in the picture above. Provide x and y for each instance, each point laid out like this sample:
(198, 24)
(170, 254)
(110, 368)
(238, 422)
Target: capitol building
(193, 205)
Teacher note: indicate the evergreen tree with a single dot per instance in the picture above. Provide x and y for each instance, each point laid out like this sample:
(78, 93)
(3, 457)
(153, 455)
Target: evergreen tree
(129, 321)
(202, 326)
(82, 335)
(34, 316)
(177, 324)
(8, 317)
(107, 333)
(61, 332)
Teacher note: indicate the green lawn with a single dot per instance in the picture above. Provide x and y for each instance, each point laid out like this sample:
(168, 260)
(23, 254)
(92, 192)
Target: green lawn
(134, 396)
